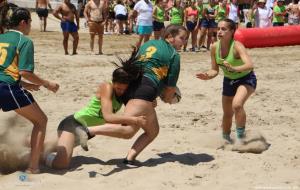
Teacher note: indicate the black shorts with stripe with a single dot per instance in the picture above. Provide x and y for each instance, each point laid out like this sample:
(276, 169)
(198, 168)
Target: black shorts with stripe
(14, 96)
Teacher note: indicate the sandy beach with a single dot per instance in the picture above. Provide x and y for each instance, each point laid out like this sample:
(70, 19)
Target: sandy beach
(185, 154)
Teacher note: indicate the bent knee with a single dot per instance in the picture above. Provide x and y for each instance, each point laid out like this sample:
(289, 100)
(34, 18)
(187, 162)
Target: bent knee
(237, 107)
(128, 133)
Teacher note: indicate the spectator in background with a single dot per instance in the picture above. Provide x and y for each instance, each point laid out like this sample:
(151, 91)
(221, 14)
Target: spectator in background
(262, 14)
(279, 13)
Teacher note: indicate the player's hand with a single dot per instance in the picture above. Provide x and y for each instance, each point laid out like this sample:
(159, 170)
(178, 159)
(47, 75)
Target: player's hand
(229, 67)
(32, 87)
(52, 86)
(141, 121)
(203, 76)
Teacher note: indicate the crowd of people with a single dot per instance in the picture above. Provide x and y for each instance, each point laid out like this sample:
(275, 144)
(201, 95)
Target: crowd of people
(145, 17)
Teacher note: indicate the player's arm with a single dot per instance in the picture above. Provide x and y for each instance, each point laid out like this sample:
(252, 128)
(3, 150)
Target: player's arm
(241, 51)
(57, 11)
(214, 71)
(104, 94)
(86, 12)
(49, 4)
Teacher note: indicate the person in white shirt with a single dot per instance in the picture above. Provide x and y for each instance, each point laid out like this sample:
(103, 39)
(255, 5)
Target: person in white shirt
(233, 11)
(121, 15)
(143, 9)
(262, 15)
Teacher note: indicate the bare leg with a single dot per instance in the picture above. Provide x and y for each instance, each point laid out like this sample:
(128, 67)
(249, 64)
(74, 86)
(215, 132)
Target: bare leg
(41, 24)
(75, 42)
(65, 42)
(64, 150)
(139, 42)
(100, 42)
(241, 96)
(92, 39)
(45, 23)
(187, 39)
(39, 120)
(146, 38)
(194, 38)
(227, 114)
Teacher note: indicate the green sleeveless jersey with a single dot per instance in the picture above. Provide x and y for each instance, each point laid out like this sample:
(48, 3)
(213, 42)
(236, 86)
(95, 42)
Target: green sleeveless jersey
(221, 13)
(160, 61)
(91, 115)
(160, 14)
(176, 16)
(200, 11)
(232, 61)
(16, 54)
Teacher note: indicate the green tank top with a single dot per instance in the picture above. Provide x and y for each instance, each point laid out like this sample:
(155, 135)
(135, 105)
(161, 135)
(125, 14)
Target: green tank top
(200, 11)
(160, 15)
(221, 13)
(91, 115)
(232, 61)
(176, 15)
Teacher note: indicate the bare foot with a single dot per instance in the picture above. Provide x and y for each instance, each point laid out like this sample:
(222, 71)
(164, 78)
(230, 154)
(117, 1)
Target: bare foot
(33, 171)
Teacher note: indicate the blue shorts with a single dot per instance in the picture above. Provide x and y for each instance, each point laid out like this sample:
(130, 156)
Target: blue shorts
(68, 26)
(209, 23)
(230, 86)
(158, 26)
(191, 25)
(14, 97)
(144, 30)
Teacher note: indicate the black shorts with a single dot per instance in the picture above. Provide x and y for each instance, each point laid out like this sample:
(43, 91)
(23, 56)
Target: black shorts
(69, 124)
(14, 97)
(230, 86)
(121, 17)
(145, 89)
(42, 12)
(191, 25)
(158, 26)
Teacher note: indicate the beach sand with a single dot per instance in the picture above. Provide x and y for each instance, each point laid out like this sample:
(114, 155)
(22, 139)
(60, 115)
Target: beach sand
(186, 154)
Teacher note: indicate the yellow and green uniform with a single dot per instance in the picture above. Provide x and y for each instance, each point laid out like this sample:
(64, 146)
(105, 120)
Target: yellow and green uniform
(16, 54)
(278, 9)
(91, 115)
(176, 16)
(160, 62)
(160, 14)
(231, 60)
(221, 13)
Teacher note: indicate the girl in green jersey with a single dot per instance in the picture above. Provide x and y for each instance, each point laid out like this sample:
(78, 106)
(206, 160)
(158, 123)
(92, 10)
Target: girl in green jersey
(239, 79)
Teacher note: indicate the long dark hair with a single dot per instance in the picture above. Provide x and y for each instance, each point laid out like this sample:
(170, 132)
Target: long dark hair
(6, 10)
(17, 16)
(127, 72)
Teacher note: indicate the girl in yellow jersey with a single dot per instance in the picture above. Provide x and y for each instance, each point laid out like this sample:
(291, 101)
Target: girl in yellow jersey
(239, 79)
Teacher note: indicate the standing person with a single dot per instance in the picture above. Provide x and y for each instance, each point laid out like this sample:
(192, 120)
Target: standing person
(68, 15)
(176, 13)
(279, 13)
(202, 36)
(102, 108)
(161, 64)
(42, 12)
(95, 14)
(17, 62)
(233, 11)
(209, 24)
(191, 22)
(262, 15)
(143, 9)
(131, 20)
(293, 10)
(239, 78)
(121, 15)
(159, 17)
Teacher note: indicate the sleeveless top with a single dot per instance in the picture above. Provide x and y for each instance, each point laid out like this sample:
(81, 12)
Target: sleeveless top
(231, 60)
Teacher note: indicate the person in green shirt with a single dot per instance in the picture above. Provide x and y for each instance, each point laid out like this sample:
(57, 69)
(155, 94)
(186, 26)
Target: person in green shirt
(17, 62)
(74, 129)
(159, 17)
(176, 13)
(239, 78)
(161, 64)
(279, 13)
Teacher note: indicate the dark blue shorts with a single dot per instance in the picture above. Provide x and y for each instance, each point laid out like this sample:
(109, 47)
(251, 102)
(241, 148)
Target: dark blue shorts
(157, 26)
(209, 23)
(191, 25)
(42, 12)
(121, 17)
(230, 86)
(68, 26)
(14, 97)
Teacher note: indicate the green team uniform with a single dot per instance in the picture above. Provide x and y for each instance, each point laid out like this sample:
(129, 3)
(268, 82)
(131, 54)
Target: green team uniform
(176, 16)
(200, 11)
(278, 9)
(91, 115)
(160, 14)
(160, 61)
(232, 61)
(221, 13)
(16, 54)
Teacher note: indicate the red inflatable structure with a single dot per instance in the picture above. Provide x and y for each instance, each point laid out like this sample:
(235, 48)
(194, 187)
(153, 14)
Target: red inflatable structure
(268, 37)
